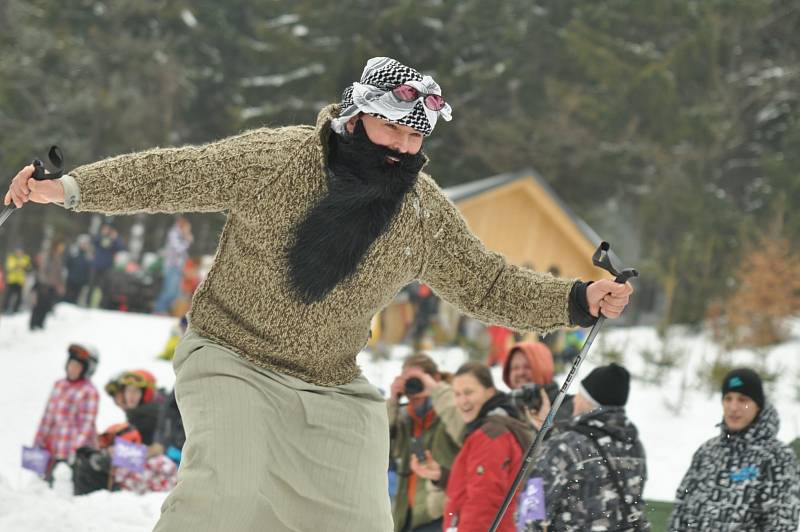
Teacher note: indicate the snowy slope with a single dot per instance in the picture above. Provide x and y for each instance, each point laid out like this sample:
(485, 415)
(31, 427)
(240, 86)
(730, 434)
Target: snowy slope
(33, 361)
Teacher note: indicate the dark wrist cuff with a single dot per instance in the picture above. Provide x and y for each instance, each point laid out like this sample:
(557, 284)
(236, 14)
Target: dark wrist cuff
(442, 482)
(579, 306)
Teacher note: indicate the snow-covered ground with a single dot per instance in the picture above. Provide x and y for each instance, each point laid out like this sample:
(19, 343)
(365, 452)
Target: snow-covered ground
(672, 423)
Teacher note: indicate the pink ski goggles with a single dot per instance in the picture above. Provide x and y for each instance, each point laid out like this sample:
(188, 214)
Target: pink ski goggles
(407, 93)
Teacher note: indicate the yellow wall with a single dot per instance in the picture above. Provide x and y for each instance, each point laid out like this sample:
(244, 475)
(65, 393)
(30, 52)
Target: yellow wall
(521, 221)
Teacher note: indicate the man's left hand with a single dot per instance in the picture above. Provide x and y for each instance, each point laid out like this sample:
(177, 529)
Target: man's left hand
(608, 297)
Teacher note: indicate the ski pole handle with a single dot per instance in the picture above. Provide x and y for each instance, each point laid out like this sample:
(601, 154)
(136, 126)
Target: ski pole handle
(626, 274)
(39, 174)
(56, 159)
(602, 259)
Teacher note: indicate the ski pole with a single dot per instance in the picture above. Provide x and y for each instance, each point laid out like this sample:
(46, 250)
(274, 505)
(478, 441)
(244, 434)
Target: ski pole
(601, 260)
(39, 174)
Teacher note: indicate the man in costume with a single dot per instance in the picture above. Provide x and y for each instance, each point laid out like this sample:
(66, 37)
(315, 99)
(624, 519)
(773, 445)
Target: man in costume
(325, 224)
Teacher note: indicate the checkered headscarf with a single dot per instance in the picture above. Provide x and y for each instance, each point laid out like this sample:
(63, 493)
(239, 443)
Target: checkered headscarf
(373, 95)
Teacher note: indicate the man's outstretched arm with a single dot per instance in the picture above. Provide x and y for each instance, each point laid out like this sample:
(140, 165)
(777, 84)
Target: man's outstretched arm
(207, 178)
(481, 283)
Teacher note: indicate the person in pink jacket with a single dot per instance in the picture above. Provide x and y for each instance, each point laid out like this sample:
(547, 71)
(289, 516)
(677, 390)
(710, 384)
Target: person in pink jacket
(69, 418)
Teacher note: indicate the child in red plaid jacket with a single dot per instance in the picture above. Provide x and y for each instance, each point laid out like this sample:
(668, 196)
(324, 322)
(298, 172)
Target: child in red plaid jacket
(69, 418)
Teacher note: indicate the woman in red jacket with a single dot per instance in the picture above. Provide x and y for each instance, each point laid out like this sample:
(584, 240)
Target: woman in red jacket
(486, 466)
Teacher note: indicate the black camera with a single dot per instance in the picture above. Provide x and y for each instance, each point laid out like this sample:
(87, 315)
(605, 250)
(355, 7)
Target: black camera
(530, 397)
(413, 386)
(418, 448)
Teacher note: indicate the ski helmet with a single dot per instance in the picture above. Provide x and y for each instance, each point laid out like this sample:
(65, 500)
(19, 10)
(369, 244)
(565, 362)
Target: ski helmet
(113, 386)
(86, 356)
(142, 379)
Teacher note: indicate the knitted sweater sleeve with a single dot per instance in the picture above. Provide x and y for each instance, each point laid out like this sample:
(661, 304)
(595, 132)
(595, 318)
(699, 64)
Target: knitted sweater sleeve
(209, 178)
(480, 282)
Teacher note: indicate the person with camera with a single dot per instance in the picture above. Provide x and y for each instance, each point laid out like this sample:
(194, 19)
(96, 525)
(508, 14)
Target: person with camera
(484, 470)
(418, 432)
(528, 372)
(593, 470)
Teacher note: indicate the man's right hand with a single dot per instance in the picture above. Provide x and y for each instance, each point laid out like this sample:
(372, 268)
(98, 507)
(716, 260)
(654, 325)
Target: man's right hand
(398, 387)
(429, 469)
(25, 188)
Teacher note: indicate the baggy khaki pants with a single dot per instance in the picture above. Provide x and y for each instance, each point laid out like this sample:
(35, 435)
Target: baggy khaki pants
(270, 452)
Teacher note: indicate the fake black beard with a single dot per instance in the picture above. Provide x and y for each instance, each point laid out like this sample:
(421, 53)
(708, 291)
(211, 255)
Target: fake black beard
(364, 193)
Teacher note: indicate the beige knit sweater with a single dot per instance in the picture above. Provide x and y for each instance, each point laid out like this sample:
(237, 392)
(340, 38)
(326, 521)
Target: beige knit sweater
(266, 180)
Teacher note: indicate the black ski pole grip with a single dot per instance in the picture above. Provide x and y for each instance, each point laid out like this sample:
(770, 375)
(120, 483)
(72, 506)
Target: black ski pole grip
(626, 274)
(39, 174)
(601, 259)
(56, 159)
(38, 170)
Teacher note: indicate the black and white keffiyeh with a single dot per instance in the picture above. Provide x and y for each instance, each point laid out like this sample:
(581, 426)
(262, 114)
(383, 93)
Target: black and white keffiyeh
(373, 95)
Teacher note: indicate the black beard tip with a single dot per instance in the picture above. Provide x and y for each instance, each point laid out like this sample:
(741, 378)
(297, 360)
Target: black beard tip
(308, 295)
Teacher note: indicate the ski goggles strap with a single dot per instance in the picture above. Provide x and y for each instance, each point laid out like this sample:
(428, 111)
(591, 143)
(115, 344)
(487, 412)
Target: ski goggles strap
(134, 379)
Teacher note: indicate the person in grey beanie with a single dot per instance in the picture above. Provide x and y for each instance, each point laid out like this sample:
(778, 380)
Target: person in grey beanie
(325, 224)
(744, 479)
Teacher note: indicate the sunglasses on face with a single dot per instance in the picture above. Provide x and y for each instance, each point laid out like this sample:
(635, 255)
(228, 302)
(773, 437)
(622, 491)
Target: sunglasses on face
(407, 93)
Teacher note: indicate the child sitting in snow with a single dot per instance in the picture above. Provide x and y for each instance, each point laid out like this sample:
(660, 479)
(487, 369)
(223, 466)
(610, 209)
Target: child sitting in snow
(154, 411)
(93, 470)
(69, 418)
(141, 401)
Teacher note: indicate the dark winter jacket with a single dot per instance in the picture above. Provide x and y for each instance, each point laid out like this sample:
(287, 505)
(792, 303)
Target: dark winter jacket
(580, 491)
(485, 468)
(105, 248)
(432, 435)
(744, 482)
(169, 429)
(795, 445)
(51, 273)
(79, 268)
(145, 418)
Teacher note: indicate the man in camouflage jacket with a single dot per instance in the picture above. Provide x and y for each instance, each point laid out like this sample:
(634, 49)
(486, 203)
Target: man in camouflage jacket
(743, 480)
(581, 492)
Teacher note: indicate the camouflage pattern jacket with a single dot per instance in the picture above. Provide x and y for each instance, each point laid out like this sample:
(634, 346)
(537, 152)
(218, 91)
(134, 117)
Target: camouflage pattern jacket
(580, 490)
(745, 482)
